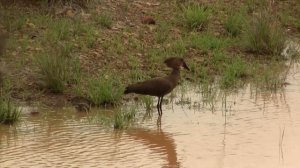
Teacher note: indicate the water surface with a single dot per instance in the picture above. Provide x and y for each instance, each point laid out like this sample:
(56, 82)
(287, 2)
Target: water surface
(246, 129)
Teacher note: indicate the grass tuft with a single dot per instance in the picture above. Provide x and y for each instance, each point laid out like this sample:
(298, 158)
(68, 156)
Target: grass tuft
(264, 36)
(9, 114)
(105, 89)
(272, 77)
(122, 119)
(13, 23)
(55, 69)
(234, 24)
(59, 29)
(147, 102)
(178, 48)
(233, 73)
(105, 20)
(207, 42)
(196, 17)
(162, 32)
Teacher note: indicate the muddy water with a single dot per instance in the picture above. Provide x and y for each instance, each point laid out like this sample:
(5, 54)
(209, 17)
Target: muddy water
(244, 129)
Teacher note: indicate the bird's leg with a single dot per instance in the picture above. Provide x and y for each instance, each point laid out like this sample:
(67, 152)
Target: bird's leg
(158, 106)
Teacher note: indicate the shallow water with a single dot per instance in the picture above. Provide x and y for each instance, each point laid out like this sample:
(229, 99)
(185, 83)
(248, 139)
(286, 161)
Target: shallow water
(247, 129)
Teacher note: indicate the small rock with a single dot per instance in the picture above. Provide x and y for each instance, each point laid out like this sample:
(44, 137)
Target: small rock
(30, 25)
(34, 113)
(70, 13)
(81, 104)
(148, 20)
(82, 107)
(285, 83)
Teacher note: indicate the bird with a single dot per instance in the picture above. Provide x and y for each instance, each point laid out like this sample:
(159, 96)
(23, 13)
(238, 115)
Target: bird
(160, 86)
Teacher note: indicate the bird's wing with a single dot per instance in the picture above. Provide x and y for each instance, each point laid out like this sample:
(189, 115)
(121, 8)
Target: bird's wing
(155, 87)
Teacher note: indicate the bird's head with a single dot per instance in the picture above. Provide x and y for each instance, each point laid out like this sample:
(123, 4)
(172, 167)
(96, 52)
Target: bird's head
(176, 63)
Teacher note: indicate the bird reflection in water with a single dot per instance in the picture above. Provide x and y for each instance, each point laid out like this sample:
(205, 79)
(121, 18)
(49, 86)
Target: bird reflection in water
(158, 141)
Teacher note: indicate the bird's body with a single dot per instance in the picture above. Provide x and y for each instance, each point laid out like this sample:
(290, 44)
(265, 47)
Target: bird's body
(156, 86)
(159, 86)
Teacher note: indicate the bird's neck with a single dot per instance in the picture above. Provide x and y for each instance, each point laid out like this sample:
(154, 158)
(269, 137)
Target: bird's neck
(175, 76)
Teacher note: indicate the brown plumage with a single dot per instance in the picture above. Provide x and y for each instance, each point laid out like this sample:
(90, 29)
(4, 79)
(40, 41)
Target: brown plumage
(160, 86)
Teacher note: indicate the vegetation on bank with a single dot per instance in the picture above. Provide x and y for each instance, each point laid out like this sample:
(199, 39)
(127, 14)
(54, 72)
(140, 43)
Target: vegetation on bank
(105, 89)
(66, 49)
(119, 119)
(9, 114)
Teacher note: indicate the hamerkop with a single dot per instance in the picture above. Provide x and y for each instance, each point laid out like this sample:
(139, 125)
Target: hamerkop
(160, 86)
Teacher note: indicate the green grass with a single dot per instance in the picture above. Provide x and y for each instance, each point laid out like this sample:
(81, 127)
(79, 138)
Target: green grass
(233, 73)
(57, 64)
(218, 60)
(285, 17)
(3, 43)
(123, 119)
(76, 72)
(202, 74)
(84, 34)
(207, 41)
(66, 49)
(56, 68)
(9, 114)
(81, 3)
(119, 119)
(210, 95)
(271, 77)
(135, 74)
(6, 86)
(58, 30)
(13, 23)
(60, 40)
(222, 69)
(104, 20)
(69, 35)
(162, 32)
(147, 102)
(196, 16)
(114, 46)
(234, 23)
(177, 49)
(53, 71)
(298, 24)
(256, 5)
(264, 36)
(105, 89)
(271, 81)
(157, 55)
(91, 40)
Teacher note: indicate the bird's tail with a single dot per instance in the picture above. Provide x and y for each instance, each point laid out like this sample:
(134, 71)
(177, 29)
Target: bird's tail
(127, 90)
